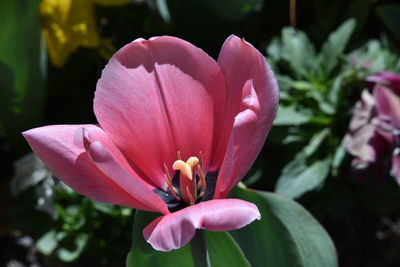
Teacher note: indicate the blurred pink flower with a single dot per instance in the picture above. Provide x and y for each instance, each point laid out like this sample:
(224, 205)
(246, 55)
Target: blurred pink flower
(374, 129)
(386, 78)
(177, 131)
(362, 130)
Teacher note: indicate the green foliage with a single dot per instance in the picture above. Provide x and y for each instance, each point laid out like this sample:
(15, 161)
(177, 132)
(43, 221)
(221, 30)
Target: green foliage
(22, 69)
(223, 250)
(302, 174)
(318, 92)
(334, 47)
(286, 235)
(82, 230)
(320, 80)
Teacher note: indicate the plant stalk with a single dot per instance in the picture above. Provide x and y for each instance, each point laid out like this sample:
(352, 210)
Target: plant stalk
(199, 250)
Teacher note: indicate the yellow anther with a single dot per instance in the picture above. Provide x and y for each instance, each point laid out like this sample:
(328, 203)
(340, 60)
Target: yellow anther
(183, 167)
(192, 162)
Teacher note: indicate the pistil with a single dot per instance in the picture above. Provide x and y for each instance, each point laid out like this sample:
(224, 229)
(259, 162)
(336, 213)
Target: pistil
(191, 179)
(187, 181)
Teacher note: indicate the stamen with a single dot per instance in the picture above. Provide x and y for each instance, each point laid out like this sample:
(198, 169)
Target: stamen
(201, 158)
(189, 186)
(169, 183)
(191, 199)
(202, 181)
(172, 189)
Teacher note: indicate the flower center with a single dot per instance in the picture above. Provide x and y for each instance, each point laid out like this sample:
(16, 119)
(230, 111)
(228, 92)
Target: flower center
(189, 185)
(192, 182)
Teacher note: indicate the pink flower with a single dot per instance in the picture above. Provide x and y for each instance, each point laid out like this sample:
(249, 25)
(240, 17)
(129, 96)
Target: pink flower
(386, 78)
(388, 109)
(361, 131)
(374, 131)
(367, 138)
(177, 131)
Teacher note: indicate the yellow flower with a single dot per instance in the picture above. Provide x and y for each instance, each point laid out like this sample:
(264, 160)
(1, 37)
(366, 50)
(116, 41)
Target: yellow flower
(68, 24)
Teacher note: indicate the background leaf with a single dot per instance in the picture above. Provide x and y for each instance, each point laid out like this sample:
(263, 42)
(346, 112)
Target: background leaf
(22, 61)
(335, 45)
(286, 235)
(298, 50)
(288, 115)
(299, 176)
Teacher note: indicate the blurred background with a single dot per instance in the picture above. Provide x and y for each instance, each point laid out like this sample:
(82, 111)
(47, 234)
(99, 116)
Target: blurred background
(52, 53)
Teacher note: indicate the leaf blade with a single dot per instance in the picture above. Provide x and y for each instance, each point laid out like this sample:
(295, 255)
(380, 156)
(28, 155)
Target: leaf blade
(286, 235)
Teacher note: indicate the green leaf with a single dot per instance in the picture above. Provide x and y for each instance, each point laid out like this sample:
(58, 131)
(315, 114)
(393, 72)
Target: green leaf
(224, 251)
(335, 45)
(286, 236)
(302, 85)
(47, 243)
(374, 53)
(69, 255)
(338, 157)
(274, 51)
(288, 115)
(22, 58)
(298, 51)
(323, 104)
(334, 92)
(315, 142)
(142, 254)
(298, 177)
(162, 7)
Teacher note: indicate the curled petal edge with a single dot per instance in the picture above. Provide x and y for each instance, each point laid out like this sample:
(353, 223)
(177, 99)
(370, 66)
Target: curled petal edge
(175, 230)
(242, 148)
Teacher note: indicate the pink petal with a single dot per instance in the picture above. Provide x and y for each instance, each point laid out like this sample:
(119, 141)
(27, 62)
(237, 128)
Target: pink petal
(396, 165)
(359, 143)
(387, 104)
(62, 148)
(157, 97)
(387, 78)
(175, 230)
(241, 63)
(239, 157)
(114, 170)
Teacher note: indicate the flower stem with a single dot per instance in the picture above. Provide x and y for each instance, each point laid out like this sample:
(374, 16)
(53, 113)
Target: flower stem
(199, 250)
(292, 13)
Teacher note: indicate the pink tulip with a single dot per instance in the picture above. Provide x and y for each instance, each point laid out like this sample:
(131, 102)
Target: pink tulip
(177, 131)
